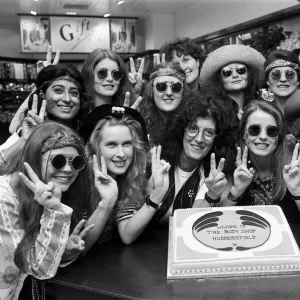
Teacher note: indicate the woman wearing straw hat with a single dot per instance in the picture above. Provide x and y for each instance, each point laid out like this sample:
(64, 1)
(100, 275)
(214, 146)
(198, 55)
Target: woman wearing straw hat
(234, 71)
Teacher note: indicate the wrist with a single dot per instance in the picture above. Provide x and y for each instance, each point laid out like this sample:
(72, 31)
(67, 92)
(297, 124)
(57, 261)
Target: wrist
(211, 200)
(233, 196)
(151, 203)
(106, 204)
(236, 192)
(212, 195)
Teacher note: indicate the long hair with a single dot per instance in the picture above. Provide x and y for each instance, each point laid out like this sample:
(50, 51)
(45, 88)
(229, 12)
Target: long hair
(151, 114)
(207, 107)
(279, 157)
(30, 212)
(132, 183)
(88, 68)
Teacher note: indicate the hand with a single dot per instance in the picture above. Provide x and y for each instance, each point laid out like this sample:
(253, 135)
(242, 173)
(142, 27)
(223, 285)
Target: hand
(47, 195)
(40, 65)
(156, 59)
(291, 173)
(32, 119)
(135, 105)
(75, 243)
(242, 177)
(136, 78)
(106, 185)
(216, 180)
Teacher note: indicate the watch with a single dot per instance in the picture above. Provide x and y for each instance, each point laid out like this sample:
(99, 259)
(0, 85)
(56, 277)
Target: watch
(151, 203)
(211, 200)
(233, 198)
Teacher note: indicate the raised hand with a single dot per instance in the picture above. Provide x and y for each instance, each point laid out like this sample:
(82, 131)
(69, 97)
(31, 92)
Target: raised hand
(135, 105)
(40, 65)
(216, 180)
(157, 60)
(136, 77)
(105, 184)
(47, 195)
(76, 244)
(291, 173)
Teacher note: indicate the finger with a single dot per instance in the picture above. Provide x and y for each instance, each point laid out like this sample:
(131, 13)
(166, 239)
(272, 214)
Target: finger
(163, 58)
(212, 162)
(127, 99)
(244, 172)
(158, 153)
(293, 170)
(30, 120)
(153, 156)
(137, 102)
(141, 68)
(50, 186)
(95, 164)
(84, 232)
(131, 78)
(43, 111)
(245, 156)
(32, 176)
(78, 227)
(295, 152)
(41, 197)
(103, 166)
(34, 103)
(221, 165)
(49, 55)
(286, 169)
(219, 177)
(239, 155)
(56, 58)
(26, 181)
(132, 66)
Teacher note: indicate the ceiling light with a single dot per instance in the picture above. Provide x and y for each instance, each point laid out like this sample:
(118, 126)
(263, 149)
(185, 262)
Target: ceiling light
(36, 0)
(33, 12)
(106, 15)
(121, 2)
(71, 13)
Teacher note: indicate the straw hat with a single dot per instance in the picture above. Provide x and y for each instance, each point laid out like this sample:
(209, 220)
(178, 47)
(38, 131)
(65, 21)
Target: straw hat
(225, 55)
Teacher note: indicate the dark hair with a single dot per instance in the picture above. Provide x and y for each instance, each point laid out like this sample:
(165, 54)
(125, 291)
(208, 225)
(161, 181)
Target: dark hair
(88, 67)
(183, 46)
(30, 212)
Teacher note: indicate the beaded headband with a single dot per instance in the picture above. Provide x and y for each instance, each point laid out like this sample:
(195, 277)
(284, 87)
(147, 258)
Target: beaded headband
(67, 78)
(281, 63)
(167, 72)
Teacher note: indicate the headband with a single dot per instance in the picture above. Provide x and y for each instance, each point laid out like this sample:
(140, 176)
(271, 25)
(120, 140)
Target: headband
(168, 72)
(67, 78)
(281, 63)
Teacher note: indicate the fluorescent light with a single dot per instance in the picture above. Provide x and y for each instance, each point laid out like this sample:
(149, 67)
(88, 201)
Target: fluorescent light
(106, 15)
(121, 2)
(33, 12)
(71, 13)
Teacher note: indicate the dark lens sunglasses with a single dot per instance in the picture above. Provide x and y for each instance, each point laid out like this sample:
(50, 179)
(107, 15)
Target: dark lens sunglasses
(289, 74)
(227, 71)
(59, 161)
(272, 131)
(176, 87)
(115, 74)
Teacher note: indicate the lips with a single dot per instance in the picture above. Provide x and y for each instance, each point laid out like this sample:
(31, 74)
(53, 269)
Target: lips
(261, 146)
(282, 86)
(65, 108)
(168, 101)
(108, 86)
(62, 178)
(197, 147)
(119, 163)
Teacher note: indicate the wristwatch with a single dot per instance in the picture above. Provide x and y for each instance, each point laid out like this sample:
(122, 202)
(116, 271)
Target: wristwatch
(211, 200)
(233, 198)
(151, 203)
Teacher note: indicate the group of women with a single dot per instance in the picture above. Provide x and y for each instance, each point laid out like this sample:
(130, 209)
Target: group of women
(82, 166)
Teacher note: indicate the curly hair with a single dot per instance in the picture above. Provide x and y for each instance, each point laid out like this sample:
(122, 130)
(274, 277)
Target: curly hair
(133, 181)
(151, 114)
(183, 46)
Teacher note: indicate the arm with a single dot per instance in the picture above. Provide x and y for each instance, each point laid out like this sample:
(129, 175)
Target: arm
(15, 122)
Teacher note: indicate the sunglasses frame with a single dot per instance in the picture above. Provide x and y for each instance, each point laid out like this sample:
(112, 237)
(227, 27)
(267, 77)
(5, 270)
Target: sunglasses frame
(66, 160)
(287, 77)
(203, 133)
(236, 69)
(265, 129)
(171, 84)
(112, 74)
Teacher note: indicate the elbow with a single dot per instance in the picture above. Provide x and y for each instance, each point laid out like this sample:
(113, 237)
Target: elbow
(127, 240)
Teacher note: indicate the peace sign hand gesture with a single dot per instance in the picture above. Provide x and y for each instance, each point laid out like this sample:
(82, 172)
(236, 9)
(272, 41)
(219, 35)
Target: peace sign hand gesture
(291, 173)
(135, 105)
(75, 243)
(157, 60)
(136, 77)
(216, 180)
(47, 195)
(105, 184)
(40, 65)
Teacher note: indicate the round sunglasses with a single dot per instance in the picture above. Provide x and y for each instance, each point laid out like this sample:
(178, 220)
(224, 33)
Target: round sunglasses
(115, 74)
(289, 74)
(59, 161)
(192, 130)
(255, 130)
(176, 87)
(227, 71)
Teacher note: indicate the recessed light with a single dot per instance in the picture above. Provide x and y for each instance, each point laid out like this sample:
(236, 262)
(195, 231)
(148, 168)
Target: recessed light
(106, 15)
(71, 13)
(33, 12)
(121, 2)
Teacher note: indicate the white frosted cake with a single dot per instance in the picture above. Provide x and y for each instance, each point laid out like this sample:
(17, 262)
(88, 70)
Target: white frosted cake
(231, 241)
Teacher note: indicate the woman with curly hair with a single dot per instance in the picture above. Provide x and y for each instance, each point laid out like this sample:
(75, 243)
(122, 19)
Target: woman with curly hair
(164, 94)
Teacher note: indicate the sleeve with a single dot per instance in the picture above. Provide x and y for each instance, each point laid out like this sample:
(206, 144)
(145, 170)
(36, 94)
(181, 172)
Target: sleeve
(10, 141)
(127, 210)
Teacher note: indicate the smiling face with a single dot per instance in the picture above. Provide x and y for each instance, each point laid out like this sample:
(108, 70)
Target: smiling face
(108, 86)
(63, 100)
(167, 101)
(262, 144)
(190, 66)
(116, 147)
(196, 148)
(235, 82)
(65, 177)
(283, 87)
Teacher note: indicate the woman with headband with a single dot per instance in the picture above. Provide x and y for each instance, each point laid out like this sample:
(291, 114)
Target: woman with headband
(163, 96)
(282, 75)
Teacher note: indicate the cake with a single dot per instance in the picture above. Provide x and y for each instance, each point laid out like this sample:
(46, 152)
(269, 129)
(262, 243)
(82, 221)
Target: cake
(231, 241)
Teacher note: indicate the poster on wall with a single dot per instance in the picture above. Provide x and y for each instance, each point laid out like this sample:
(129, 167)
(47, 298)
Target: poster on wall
(123, 37)
(35, 33)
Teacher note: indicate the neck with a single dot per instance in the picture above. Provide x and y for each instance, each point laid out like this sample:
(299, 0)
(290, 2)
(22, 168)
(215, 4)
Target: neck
(238, 97)
(281, 102)
(262, 164)
(100, 100)
(186, 164)
(193, 86)
(165, 115)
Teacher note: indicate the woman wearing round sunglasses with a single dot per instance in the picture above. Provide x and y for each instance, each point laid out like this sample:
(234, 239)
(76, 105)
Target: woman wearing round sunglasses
(282, 75)
(163, 95)
(234, 72)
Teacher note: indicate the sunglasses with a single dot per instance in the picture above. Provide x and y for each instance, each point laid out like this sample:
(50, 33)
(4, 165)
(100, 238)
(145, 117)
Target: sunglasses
(115, 74)
(192, 130)
(176, 87)
(227, 71)
(59, 161)
(289, 74)
(255, 130)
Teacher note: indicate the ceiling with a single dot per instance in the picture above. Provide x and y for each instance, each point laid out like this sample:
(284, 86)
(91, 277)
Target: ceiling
(131, 8)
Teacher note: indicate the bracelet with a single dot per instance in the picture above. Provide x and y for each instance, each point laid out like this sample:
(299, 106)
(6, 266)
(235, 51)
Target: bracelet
(233, 198)
(210, 200)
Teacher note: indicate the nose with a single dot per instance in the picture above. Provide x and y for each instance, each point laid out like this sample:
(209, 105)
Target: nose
(120, 152)
(199, 137)
(169, 90)
(263, 134)
(67, 167)
(67, 97)
(282, 77)
(235, 73)
(109, 77)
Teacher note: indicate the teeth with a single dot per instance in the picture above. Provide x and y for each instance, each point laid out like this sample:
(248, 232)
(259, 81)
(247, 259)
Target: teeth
(62, 178)
(261, 146)
(196, 147)
(65, 108)
(119, 163)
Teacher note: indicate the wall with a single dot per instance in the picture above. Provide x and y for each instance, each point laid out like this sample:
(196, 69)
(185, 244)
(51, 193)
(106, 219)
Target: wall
(203, 17)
